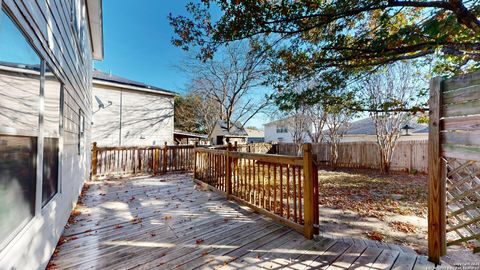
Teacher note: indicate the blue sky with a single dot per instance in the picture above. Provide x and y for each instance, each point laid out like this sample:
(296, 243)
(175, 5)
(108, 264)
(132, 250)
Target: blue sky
(137, 44)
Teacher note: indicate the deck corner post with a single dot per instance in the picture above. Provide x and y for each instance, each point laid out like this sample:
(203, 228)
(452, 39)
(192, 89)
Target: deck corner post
(164, 153)
(93, 169)
(155, 161)
(195, 161)
(436, 177)
(228, 171)
(308, 191)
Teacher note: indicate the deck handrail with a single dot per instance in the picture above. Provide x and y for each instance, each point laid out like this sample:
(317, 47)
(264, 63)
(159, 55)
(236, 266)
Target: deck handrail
(284, 188)
(123, 161)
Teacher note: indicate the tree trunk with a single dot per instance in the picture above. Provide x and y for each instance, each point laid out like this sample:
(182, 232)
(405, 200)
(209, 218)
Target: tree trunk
(334, 155)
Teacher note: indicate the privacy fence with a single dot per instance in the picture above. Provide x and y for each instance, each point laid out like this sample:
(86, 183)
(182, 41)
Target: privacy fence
(408, 156)
(454, 164)
(282, 187)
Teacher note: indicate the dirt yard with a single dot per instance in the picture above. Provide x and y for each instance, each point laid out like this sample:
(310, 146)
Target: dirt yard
(390, 208)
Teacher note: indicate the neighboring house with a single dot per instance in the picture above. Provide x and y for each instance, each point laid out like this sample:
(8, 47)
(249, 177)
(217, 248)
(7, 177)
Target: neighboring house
(255, 135)
(220, 134)
(183, 137)
(283, 130)
(364, 130)
(130, 113)
(46, 52)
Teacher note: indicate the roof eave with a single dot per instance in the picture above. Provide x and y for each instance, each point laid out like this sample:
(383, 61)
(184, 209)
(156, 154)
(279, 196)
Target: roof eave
(130, 87)
(95, 18)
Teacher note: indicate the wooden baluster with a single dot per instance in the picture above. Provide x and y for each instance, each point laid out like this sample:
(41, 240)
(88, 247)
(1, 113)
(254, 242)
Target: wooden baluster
(245, 179)
(245, 173)
(255, 177)
(288, 191)
(252, 181)
(295, 209)
(281, 191)
(300, 194)
(263, 185)
(316, 229)
(269, 201)
(275, 188)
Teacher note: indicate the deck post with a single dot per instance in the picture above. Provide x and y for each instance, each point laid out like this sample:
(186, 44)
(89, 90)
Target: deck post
(93, 169)
(165, 152)
(308, 191)
(195, 161)
(155, 161)
(436, 177)
(228, 171)
(316, 210)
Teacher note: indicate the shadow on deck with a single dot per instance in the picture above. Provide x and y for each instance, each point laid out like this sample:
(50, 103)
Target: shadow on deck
(167, 222)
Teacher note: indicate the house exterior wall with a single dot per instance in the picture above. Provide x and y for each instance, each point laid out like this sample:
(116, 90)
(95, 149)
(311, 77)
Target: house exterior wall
(217, 131)
(47, 26)
(271, 134)
(134, 118)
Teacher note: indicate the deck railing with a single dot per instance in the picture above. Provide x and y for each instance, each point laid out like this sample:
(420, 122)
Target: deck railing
(122, 161)
(282, 187)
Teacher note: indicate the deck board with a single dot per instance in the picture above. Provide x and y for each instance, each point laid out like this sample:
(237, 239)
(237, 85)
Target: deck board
(168, 222)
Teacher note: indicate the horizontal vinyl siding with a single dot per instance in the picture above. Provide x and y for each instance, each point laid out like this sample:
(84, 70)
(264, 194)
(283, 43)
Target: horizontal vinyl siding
(143, 114)
(46, 24)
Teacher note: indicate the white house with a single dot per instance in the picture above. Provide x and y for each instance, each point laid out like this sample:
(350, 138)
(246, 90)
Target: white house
(46, 52)
(255, 135)
(130, 113)
(221, 135)
(361, 130)
(283, 131)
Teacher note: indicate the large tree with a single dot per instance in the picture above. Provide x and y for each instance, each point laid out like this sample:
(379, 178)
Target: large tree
(229, 82)
(386, 94)
(339, 114)
(195, 113)
(331, 40)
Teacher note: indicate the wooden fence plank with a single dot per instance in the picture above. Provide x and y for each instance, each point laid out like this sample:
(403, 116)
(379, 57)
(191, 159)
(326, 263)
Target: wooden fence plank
(469, 93)
(461, 152)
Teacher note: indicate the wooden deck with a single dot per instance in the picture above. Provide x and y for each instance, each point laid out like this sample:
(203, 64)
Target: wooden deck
(168, 222)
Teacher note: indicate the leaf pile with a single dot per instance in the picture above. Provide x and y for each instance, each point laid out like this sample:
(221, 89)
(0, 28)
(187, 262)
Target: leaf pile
(403, 227)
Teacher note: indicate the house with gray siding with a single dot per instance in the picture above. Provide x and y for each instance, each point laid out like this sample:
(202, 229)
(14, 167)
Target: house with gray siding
(222, 133)
(130, 113)
(46, 53)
